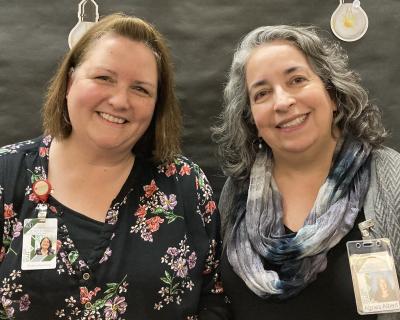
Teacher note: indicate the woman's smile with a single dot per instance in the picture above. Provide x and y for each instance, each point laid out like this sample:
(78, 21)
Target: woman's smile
(110, 118)
(293, 123)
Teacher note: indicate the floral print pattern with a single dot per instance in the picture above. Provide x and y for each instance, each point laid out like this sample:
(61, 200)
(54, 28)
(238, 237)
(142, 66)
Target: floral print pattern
(155, 207)
(204, 196)
(12, 229)
(8, 292)
(177, 279)
(211, 261)
(153, 220)
(68, 259)
(112, 213)
(109, 304)
(13, 148)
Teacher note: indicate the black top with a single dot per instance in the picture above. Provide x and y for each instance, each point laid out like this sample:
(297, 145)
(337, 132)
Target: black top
(329, 297)
(82, 229)
(155, 257)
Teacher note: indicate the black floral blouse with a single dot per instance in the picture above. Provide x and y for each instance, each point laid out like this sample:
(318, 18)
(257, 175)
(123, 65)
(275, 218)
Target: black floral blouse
(156, 257)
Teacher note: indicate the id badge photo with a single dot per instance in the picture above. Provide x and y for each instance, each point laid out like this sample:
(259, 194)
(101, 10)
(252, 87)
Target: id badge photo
(39, 241)
(374, 277)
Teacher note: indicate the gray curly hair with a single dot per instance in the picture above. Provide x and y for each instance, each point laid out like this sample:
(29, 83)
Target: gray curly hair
(236, 132)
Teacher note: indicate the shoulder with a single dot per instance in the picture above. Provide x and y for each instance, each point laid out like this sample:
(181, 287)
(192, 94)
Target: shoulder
(383, 198)
(182, 175)
(181, 188)
(385, 154)
(13, 158)
(232, 191)
(193, 185)
(385, 173)
(385, 168)
(16, 150)
(179, 167)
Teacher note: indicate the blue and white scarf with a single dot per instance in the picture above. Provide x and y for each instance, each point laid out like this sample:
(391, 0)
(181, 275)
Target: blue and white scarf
(258, 234)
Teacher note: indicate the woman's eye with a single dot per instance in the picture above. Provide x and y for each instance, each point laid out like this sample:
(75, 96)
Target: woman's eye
(104, 78)
(298, 80)
(141, 90)
(259, 95)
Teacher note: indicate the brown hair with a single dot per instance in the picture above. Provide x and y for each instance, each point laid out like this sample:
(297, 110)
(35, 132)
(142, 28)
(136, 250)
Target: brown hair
(161, 141)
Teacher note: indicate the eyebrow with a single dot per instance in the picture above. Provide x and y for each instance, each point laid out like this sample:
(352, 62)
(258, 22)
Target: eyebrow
(285, 72)
(104, 69)
(135, 82)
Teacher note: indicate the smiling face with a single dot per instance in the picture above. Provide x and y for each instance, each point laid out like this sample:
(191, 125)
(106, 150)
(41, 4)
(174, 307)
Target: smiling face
(383, 284)
(112, 94)
(291, 107)
(45, 243)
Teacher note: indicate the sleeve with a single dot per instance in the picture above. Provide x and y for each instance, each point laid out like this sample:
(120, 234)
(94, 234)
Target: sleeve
(212, 304)
(383, 198)
(9, 163)
(2, 228)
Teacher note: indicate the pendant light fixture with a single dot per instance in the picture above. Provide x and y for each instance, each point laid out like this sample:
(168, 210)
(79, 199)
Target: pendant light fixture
(349, 22)
(83, 24)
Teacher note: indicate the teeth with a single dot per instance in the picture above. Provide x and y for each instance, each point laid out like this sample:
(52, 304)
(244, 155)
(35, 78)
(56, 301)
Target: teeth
(111, 118)
(294, 122)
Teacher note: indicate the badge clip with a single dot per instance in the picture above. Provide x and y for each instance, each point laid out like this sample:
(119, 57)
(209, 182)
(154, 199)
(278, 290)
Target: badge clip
(41, 189)
(41, 209)
(365, 228)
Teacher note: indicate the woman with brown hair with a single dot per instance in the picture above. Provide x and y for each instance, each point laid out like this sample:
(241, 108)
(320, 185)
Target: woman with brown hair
(45, 247)
(137, 227)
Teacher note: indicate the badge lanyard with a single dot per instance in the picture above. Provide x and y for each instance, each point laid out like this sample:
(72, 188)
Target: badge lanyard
(39, 241)
(373, 273)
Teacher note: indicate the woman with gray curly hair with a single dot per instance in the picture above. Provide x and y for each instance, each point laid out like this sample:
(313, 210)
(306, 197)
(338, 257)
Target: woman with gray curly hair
(301, 146)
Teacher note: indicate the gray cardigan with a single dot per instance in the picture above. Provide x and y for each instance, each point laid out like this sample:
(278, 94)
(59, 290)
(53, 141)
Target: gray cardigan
(382, 203)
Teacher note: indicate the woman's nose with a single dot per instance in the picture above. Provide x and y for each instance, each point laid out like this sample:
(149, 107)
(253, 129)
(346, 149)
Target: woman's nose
(119, 98)
(283, 99)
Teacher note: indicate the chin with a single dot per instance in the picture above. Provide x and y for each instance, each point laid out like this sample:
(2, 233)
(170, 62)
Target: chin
(107, 142)
(112, 146)
(116, 140)
(297, 148)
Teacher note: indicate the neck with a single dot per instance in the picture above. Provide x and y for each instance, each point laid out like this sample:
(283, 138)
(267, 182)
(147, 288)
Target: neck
(68, 151)
(87, 181)
(305, 163)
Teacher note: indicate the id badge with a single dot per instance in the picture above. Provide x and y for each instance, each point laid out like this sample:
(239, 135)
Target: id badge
(39, 244)
(373, 272)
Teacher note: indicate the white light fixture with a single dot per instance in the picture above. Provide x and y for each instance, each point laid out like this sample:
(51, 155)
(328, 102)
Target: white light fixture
(82, 26)
(349, 22)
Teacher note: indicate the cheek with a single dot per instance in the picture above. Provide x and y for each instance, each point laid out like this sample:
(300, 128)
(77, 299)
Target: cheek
(317, 98)
(260, 116)
(146, 110)
(329, 109)
(81, 97)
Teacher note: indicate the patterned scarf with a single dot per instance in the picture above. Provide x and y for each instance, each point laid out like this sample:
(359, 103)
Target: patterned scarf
(258, 234)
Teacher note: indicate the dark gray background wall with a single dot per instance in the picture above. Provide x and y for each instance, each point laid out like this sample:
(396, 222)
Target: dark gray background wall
(202, 36)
